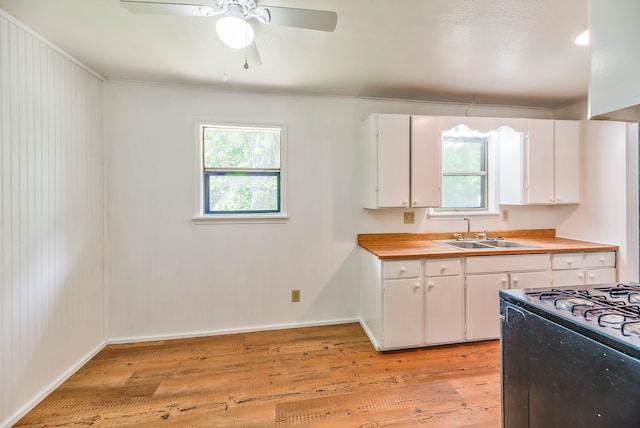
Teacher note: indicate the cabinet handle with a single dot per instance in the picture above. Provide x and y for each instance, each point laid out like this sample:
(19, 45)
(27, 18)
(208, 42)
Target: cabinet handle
(569, 262)
(515, 280)
(601, 259)
(559, 199)
(591, 276)
(443, 268)
(403, 269)
(580, 275)
(416, 287)
(415, 202)
(405, 203)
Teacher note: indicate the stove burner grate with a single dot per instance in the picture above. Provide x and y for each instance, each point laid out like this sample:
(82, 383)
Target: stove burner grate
(612, 311)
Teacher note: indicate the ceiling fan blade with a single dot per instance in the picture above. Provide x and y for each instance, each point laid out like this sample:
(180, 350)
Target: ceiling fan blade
(184, 8)
(303, 18)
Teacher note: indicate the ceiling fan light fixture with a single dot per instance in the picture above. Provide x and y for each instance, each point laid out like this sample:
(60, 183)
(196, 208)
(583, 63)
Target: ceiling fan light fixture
(235, 32)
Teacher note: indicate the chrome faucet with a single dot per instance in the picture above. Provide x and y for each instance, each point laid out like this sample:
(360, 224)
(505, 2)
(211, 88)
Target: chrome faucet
(468, 227)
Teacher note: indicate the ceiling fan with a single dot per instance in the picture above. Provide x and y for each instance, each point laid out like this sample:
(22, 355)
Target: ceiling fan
(233, 28)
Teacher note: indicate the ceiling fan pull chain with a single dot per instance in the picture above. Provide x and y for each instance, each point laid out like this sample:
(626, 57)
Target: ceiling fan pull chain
(246, 63)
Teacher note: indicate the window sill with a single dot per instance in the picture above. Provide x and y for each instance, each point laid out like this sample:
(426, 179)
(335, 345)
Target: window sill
(240, 219)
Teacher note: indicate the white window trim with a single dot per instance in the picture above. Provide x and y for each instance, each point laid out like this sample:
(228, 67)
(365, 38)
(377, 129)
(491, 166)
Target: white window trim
(199, 217)
(493, 209)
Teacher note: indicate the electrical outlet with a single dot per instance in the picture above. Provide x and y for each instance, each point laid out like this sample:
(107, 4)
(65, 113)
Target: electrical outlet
(295, 296)
(409, 217)
(504, 215)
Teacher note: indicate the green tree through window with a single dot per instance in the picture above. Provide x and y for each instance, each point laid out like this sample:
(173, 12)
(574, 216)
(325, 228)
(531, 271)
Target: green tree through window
(464, 173)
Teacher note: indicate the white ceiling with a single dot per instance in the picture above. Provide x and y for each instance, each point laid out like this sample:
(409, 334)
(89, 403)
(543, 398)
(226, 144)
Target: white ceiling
(515, 52)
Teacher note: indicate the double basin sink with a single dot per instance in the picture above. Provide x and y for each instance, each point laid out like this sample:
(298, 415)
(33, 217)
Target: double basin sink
(482, 244)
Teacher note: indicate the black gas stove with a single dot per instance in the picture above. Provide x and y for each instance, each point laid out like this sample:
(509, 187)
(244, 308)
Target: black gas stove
(609, 314)
(571, 356)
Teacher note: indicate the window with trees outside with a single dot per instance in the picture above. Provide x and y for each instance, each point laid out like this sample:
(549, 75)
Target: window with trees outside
(464, 173)
(241, 169)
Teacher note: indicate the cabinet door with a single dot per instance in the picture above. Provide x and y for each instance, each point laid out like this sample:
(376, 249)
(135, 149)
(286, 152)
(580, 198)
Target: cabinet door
(566, 163)
(402, 314)
(482, 305)
(444, 310)
(426, 167)
(539, 187)
(393, 160)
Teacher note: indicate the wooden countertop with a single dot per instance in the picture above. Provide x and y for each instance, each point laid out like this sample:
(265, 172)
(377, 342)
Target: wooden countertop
(389, 246)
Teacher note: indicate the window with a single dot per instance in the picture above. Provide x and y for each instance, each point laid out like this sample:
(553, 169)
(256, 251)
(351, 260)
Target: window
(242, 170)
(465, 170)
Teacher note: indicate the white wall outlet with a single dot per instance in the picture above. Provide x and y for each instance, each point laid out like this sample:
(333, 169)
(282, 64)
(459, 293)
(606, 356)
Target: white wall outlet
(504, 215)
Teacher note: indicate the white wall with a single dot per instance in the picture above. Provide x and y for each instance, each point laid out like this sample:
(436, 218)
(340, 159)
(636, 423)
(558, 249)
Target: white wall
(51, 218)
(169, 277)
(609, 209)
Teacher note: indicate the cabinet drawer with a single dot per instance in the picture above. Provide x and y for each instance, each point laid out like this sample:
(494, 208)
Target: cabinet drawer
(567, 261)
(402, 269)
(568, 277)
(478, 264)
(531, 279)
(603, 259)
(600, 276)
(442, 267)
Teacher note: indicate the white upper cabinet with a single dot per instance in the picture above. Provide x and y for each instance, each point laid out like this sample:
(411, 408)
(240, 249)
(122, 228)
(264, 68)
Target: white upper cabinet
(539, 162)
(566, 161)
(401, 161)
(426, 166)
(544, 166)
(386, 154)
(614, 83)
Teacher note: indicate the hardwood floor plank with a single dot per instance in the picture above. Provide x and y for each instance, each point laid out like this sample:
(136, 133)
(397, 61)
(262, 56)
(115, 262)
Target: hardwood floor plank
(318, 376)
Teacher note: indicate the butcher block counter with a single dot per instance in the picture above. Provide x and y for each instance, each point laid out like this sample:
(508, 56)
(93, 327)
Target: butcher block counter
(389, 246)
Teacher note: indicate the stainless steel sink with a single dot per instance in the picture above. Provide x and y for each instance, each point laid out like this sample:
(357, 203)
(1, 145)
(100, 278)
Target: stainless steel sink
(465, 245)
(488, 244)
(505, 244)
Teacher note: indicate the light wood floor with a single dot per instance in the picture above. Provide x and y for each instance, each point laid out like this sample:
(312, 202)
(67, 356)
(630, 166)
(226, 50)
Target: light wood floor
(317, 377)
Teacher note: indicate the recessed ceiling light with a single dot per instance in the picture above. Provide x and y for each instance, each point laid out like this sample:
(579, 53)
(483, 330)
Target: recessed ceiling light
(583, 39)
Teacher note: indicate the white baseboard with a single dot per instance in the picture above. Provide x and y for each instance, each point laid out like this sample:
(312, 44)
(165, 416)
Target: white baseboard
(186, 335)
(11, 420)
(370, 335)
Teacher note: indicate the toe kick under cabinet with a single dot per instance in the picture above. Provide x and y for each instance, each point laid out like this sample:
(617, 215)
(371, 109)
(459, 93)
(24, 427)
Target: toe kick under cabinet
(410, 303)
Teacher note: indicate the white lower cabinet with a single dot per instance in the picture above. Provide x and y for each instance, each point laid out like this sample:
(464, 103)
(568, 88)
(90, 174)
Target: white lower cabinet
(402, 314)
(482, 306)
(584, 268)
(443, 302)
(485, 276)
(423, 302)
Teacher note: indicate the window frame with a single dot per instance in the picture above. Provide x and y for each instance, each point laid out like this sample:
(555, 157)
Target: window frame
(491, 153)
(484, 174)
(202, 215)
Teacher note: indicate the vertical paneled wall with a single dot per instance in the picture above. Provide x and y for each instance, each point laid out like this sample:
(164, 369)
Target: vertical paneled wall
(51, 217)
